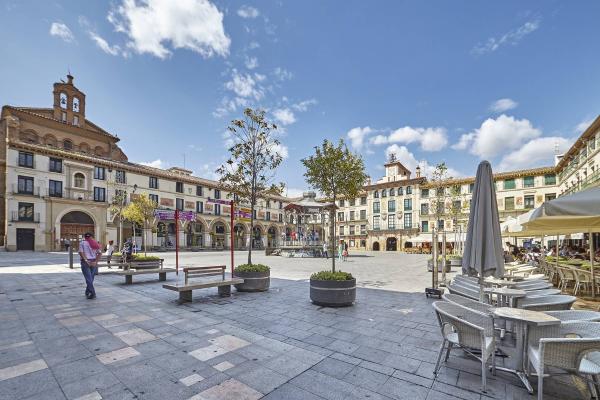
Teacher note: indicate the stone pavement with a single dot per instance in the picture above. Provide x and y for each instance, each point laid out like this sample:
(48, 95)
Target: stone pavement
(136, 342)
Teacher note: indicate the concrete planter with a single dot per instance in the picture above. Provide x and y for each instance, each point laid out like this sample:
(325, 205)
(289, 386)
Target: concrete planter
(430, 266)
(456, 262)
(333, 293)
(253, 281)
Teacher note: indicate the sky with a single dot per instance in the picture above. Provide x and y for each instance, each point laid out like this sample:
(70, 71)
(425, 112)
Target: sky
(457, 82)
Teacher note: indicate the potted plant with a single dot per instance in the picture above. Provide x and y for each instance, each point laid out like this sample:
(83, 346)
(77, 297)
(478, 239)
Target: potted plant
(332, 289)
(455, 260)
(430, 264)
(336, 172)
(257, 277)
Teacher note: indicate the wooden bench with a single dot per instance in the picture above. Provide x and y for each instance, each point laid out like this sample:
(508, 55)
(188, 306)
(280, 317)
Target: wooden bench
(129, 273)
(185, 290)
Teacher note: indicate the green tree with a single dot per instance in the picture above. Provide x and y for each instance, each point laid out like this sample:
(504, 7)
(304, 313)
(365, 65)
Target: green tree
(249, 172)
(116, 208)
(335, 172)
(438, 182)
(140, 212)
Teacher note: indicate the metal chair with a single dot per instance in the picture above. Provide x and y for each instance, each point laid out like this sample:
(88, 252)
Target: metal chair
(468, 330)
(548, 303)
(573, 347)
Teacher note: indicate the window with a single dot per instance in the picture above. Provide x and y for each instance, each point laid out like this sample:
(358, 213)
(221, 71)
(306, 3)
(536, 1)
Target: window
(79, 180)
(25, 185)
(471, 187)
(439, 191)
(363, 229)
(352, 202)
(120, 196)
(341, 203)
(63, 116)
(376, 194)
(391, 206)
(400, 191)
(529, 202)
(153, 198)
(376, 222)
(352, 215)
(352, 230)
(75, 120)
(254, 214)
(424, 192)
(340, 216)
(67, 144)
(376, 209)
(280, 217)
(55, 165)
(392, 192)
(120, 176)
(509, 203)
(342, 230)
(99, 173)
(75, 104)
(268, 216)
(391, 221)
(425, 209)
(217, 194)
(280, 205)
(363, 201)
(407, 204)
(549, 196)
(63, 100)
(409, 190)
(424, 226)
(456, 206)
(407, 221)
(54, 188)
(25, 159)
(179, 187)
(441, 224)
(199, 191)
(363, 214)
(549, 179)
(528, 181)
(99, 194)
(199, 207)
(509, 184)
(218, 210)
(25, 211)
(179, 204)
(384, 193)
(153, 182)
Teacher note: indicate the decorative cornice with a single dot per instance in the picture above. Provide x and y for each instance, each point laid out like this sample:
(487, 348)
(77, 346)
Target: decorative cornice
(500, 176)
(579, 143)
(403, 182)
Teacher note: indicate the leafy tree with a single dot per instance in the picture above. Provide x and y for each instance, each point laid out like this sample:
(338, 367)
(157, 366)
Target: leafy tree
(249, 172)
(140, 212)
(335, 172)
(438, 183)
(116, 208)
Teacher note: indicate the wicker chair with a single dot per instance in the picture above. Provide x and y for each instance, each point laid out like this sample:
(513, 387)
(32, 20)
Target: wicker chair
(468, 330)
(572, 347)
(583, 280)
(549, 303)
(473, 305)
(566, 277)
(542, 293)
(575, 315)
(463, 291)
(533, 285)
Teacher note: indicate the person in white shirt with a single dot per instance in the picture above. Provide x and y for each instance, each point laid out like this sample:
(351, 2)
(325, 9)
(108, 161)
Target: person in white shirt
(110, 249)
(89, 250)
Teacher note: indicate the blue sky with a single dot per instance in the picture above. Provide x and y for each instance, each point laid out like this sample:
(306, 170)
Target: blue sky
(430, 81)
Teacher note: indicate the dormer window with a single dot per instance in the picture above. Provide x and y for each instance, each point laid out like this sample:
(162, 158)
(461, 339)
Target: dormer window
(75, 104)
(67, 144)
(63, 101)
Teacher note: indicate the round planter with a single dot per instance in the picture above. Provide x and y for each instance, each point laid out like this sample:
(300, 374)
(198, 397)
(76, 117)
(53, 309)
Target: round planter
(430, 266)
(333, 293)
(253, 281)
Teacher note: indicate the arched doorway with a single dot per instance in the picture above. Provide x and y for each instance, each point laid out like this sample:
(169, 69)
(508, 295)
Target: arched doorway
(391, 244)
(195, 234)
(74, 224)
(375, 246)
(257, 238)
(239, 236)
(272, 237)
(218, 234)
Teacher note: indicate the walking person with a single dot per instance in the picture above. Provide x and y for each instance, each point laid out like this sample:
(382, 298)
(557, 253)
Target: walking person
(89, 250)
(67, 244)
(345, 254)
(110, 249)
(325, 251)
(340, 250)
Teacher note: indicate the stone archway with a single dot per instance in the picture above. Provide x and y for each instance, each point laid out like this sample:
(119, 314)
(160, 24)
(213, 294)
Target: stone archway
(194, 234)
(375, 246)
(239, 236)
(257, 236)
(272, 236)
(74, 224)
(391, 244)
(218, 232)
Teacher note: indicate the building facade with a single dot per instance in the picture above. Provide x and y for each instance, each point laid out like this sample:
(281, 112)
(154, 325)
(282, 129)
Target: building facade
(62, 173)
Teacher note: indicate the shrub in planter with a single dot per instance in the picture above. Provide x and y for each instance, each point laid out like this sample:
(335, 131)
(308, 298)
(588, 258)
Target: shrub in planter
(455, 260)
(257, 277)
(141, 258)
(430, 264)
(332, 289)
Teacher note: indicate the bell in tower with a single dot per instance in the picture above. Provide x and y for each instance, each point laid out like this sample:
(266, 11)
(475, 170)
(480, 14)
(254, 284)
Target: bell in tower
(69, 103)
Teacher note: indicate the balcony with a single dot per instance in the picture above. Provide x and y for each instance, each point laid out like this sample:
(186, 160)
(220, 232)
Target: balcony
(34, 192)
(15, 217)
(78, 194)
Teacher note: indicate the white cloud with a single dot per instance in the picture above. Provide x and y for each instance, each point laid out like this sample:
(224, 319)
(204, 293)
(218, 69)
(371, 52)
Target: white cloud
(103, 44)
(248, 12)
(502, 105)
(302, 106)
(430, 139)
(294, 192)
(535, 153)
(285, 116)
(583, 125)
(409, 160)
(245, 85)
(282, 150)
(158, 27)
(496, 136)
(251, 62)
(208, 171)
(62, 31)
(357, 136)
(282, 74)
(512, 37)
(158, 163)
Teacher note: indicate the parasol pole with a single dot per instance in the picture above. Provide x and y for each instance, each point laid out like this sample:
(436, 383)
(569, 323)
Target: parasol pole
(434, 253)
(592, 263)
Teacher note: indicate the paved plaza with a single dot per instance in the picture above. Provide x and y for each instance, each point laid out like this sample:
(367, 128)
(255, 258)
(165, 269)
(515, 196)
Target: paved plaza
(135, 341)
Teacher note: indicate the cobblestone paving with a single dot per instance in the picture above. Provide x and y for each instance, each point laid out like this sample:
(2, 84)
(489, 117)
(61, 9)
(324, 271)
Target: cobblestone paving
(135, 341)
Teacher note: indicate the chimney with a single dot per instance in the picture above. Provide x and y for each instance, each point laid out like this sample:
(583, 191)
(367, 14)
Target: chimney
(70, 79)
(418, 171)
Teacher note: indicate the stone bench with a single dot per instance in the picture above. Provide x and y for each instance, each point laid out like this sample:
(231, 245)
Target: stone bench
(129, 273)
(185, 290)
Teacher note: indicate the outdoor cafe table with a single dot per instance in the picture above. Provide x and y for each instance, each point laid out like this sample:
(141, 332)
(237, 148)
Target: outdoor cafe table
(506, 296)
(498, 282)
(522, 319)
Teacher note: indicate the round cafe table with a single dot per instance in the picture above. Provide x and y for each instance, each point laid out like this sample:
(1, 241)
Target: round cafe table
(505, 297)
(498, 282)
(522, 319)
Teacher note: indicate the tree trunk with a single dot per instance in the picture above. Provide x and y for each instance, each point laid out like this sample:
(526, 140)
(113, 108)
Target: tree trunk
(144, 238)
(332, 239)
(251, 232)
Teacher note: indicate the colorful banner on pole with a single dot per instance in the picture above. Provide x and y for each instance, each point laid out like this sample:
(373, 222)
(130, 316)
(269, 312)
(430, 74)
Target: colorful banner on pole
(243, 214)
(163, 215)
